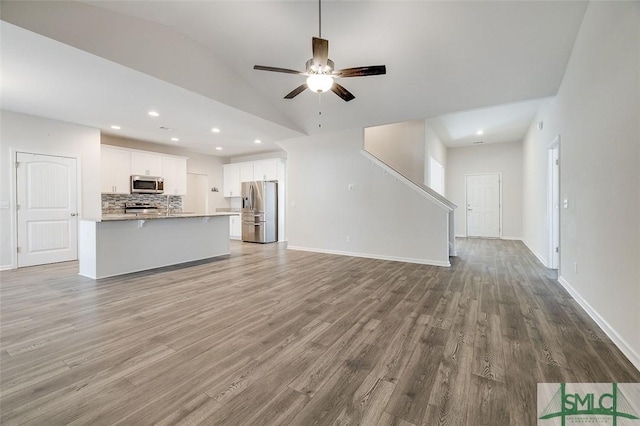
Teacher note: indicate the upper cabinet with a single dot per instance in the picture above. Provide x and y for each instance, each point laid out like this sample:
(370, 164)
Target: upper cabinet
(250, 171)
(231, 180)
(265, 170)
(174, 172)
(115, 170)
(246, 172)
(146, 163)
(118, 164)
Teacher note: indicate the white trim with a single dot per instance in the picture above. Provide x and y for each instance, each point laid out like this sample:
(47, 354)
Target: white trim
(6, 267)
(555, 144)
(535, 253)
(466, 202)
(511, 238)
(423, 190)
(373, 256)
(461, 236)
(617, 340)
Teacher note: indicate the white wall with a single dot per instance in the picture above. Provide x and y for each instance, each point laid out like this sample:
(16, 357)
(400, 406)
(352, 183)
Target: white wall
(256, 157)
(381, 217)
(596, 114)
(505, 158)
(26, 133)
(400, 145)
(433, 148)
(535, 150)
(202, 164)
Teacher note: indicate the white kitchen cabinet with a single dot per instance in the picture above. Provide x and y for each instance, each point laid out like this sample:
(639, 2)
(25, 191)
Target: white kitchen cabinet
(246, 172)
(115, 169)
(174, 173)
(146, 163)
(231, 180)
(265, 169)
(235, 227)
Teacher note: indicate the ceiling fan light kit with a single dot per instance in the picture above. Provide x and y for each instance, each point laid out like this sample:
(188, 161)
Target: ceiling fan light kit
(320, 69)
(319, 82)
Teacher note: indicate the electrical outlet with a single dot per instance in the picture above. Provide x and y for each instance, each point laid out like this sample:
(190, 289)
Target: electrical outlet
(352, 186)
(575, 267)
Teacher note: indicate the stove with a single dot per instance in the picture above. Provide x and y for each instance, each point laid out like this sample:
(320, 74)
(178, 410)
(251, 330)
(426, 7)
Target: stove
(141, 208)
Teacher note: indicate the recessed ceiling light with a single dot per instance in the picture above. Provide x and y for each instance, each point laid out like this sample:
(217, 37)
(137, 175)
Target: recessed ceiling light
(218, 148)
(175, 139)
(114, 127)
(154, 114)
(480, 132)
(215, 130)
(257, 141)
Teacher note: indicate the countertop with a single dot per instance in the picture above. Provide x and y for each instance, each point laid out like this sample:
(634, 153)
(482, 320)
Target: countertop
(131, 216)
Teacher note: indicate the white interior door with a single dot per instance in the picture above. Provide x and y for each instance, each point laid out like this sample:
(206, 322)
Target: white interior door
(47, 209)
(483, 205)
(197, 192)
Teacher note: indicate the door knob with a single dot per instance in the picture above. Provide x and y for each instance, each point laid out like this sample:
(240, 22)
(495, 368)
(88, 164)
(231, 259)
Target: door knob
(74, 214)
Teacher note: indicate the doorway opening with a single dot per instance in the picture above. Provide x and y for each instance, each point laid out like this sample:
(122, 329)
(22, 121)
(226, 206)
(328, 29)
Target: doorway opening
(196, 199)
(553, 203)
(484, 205)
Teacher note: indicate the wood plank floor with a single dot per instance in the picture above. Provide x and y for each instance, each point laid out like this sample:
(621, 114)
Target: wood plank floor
(270, 336)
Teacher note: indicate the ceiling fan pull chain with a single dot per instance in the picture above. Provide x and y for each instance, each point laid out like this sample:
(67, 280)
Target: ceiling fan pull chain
(319, 111)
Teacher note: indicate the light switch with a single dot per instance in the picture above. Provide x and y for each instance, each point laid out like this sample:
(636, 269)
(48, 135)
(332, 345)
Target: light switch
(565, 203)
(4, 205)
(352, 186)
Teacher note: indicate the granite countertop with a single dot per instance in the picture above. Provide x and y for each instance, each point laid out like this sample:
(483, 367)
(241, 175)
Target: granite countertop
(132, 216)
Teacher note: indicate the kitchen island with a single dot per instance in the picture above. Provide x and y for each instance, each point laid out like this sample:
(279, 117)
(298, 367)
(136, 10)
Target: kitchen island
(121, 244)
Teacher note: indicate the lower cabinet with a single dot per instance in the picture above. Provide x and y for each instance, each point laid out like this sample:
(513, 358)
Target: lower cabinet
(235, 227)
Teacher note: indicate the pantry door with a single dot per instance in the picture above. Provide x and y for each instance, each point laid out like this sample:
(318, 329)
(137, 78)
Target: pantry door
(483, 205)
(46, 209)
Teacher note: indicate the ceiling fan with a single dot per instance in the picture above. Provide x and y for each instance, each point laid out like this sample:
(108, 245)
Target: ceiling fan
(320, 70)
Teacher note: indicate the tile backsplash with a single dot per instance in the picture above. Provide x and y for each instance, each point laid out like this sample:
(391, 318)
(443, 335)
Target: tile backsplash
(114, 203)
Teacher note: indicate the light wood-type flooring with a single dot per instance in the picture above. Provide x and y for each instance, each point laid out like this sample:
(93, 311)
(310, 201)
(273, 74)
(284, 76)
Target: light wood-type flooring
(275, 337)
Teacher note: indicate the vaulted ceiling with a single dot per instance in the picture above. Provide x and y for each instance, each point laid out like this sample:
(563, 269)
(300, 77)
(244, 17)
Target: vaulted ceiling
(441, 57)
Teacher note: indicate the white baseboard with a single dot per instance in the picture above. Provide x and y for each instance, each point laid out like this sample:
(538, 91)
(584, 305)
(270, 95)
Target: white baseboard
(624, 347)
(6, 267)
(461, 236)
(511, 238)
(373, 256)
(536, 254)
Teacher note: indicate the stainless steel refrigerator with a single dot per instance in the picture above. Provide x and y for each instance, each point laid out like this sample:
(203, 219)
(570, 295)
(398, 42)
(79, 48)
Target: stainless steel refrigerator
(260, 212)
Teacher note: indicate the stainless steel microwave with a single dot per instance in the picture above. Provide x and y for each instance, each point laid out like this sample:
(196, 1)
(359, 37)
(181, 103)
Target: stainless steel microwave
(147, 184)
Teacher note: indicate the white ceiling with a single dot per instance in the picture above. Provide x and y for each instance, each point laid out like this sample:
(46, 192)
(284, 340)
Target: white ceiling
(502, 123)
(441, 56)
(44, 77)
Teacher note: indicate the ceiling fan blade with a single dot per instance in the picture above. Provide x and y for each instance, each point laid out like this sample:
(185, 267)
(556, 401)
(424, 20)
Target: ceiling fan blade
(362, 71)
(342, 92)
(320, 51)
(274, 69)
(295, 92)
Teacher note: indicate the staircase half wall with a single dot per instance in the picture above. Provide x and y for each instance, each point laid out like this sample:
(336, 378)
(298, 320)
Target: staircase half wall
(343, 202)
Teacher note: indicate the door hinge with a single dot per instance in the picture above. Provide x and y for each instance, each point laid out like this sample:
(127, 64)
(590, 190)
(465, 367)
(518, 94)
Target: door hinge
(17, 249)
(17, 164)
(17, 206)
(557, 162)
(557, 249)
